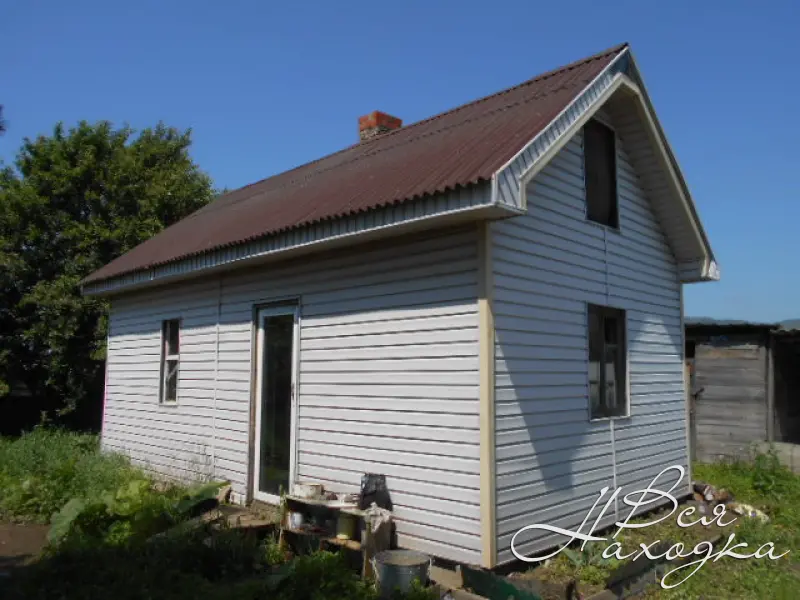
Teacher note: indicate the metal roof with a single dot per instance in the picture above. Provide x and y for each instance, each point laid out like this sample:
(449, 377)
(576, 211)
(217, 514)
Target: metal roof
(457, 148)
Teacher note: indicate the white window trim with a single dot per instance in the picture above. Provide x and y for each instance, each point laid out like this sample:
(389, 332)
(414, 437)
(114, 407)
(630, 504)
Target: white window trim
(627, 390)
(603, 121)
(165, 359)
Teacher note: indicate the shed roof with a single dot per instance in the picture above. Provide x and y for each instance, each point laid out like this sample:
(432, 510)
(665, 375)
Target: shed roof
(457, 148)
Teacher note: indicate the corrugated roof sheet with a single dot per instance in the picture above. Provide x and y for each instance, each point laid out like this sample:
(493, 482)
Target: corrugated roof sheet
(460, 147)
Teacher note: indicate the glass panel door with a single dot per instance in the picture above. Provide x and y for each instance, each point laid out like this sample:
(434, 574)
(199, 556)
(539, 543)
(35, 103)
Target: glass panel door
(274, 461)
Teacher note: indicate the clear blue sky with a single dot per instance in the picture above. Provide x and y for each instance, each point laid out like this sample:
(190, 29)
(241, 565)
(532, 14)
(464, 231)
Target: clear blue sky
(269, 85)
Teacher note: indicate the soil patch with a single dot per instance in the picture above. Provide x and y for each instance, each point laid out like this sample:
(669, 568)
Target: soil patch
(20, 544)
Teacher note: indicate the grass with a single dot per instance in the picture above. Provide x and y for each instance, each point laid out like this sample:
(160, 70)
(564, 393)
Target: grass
(591, 570)
(588, 569)
(772, 488)
(764, 484)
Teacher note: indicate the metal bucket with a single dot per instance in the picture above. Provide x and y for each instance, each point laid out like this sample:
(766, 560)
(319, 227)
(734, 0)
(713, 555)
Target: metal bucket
(396, 569)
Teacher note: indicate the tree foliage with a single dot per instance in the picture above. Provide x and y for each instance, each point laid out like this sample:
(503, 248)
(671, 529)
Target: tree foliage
(76, 200)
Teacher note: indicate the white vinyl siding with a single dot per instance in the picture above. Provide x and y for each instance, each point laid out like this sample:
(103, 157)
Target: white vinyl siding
(547, 266)
(388, 378)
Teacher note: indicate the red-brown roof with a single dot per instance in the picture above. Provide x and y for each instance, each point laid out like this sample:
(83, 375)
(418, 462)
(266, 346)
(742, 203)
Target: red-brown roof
(459, 147)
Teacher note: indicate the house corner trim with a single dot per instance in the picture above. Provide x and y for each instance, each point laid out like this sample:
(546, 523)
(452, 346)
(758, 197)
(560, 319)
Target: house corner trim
(486, 353)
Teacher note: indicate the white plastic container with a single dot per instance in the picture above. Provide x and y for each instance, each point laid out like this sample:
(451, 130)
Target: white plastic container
(296, 520)
(308, 491)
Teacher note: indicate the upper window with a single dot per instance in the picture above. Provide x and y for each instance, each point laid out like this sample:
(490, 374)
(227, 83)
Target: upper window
(608, 387)
(170, 359)
(600, 168)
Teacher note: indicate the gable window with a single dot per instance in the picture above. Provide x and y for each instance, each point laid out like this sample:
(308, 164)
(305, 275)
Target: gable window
(600, 172)
(170, 359)
(608, 386)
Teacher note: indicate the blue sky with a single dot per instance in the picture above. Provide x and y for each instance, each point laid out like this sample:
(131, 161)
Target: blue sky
(266, 86)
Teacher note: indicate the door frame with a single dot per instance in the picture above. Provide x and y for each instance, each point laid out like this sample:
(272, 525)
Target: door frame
(260, 312)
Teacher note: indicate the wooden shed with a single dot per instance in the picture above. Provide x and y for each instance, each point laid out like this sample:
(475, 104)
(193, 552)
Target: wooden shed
(743, 387)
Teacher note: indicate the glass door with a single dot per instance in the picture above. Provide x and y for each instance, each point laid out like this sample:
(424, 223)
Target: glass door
(275, 402)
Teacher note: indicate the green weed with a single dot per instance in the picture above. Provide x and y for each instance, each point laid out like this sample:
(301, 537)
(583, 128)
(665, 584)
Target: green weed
(105, 514)
(216, 565)
(769, 486)
(42, 470)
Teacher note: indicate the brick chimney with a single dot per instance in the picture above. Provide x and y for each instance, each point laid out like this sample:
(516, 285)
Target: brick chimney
(377, 123)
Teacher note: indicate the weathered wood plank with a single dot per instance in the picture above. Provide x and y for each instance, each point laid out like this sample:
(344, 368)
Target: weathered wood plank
(704, 352)
(731, 393)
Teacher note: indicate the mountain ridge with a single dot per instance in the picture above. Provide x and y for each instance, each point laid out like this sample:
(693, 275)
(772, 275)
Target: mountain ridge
(785, 324)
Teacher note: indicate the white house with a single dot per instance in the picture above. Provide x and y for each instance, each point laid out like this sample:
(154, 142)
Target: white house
(433, 303)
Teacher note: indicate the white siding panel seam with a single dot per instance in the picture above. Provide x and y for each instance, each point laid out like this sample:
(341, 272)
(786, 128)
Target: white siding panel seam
(216, 376)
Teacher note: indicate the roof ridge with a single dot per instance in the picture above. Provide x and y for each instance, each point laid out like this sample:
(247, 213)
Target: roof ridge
(536, 79)
(410, 140)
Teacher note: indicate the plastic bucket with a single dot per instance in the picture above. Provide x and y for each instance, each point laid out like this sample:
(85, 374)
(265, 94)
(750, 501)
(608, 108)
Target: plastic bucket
(396, 569)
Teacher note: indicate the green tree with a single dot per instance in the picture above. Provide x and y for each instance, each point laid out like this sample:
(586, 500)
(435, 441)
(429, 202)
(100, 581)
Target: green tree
(76, 200)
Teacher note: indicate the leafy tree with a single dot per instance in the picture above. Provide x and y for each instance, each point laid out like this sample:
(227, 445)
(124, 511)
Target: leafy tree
(76, 200)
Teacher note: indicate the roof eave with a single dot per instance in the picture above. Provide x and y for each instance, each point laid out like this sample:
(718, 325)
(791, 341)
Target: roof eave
(452, 208)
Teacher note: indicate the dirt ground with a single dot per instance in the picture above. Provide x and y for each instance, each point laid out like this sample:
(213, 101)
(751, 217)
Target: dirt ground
(20, 544)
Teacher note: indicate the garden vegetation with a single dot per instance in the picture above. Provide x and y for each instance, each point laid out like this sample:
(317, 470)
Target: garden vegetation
(118, 533)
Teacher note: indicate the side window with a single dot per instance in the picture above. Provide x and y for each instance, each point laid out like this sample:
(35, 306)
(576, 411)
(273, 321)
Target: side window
(170, 360)
(608, 386)
(600, 172)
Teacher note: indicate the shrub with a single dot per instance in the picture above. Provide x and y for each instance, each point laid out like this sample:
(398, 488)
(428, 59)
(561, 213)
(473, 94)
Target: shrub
(171, 568)
(323, 576)
(200, 563)
(133, 513)
(42, 470)
(105, 514)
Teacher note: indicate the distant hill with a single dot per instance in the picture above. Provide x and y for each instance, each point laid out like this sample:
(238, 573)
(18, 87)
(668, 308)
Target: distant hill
(787, 324)
(713, 321)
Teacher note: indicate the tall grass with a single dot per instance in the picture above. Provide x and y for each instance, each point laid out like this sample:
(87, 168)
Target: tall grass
(41, 470)
(769, 486)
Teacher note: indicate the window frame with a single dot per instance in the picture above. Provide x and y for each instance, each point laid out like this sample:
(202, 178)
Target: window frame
(602, 122)
(623, 368)
(166, 359)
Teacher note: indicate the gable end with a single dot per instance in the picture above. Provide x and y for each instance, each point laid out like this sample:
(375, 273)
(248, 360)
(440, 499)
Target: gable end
(619, 91)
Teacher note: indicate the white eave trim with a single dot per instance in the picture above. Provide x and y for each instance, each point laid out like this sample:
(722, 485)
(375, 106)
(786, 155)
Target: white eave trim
(698, 270)
(509, 183)
(448, 209)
